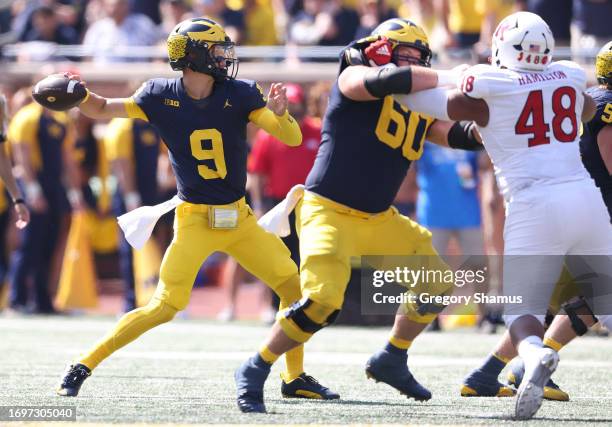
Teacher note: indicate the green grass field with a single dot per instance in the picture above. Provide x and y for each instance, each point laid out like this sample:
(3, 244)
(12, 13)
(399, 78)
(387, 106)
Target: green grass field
(182, 373)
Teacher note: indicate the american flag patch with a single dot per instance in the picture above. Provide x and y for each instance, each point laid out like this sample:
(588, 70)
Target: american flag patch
(534, 48)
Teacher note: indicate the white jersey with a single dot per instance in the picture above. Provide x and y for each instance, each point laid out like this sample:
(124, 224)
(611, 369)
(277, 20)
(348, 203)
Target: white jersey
(534, 123)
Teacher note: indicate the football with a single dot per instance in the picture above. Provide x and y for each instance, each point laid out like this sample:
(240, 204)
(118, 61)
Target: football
(59, 93)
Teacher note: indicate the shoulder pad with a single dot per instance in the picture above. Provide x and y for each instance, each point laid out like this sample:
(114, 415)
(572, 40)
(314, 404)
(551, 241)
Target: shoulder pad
(574, 72)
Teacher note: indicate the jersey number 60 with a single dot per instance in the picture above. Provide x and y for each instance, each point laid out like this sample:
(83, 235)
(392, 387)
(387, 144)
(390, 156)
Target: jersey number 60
(396, 127)
(215, 153)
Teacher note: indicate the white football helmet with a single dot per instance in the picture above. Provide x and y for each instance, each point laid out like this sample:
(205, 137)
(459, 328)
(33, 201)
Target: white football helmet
(523, 42)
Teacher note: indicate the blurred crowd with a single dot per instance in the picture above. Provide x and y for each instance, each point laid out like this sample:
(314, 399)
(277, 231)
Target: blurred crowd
(454, 26)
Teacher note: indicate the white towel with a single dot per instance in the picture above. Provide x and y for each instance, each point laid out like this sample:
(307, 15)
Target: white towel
(277, 219)
(137, 225)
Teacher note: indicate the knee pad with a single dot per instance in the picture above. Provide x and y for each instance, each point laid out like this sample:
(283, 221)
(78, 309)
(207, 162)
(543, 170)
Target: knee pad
(305, 317)
(509, 319)
(574, 309)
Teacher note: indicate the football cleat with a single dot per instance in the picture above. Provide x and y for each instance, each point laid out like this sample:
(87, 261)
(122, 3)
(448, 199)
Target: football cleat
(392, 369)
(480, 384)
(73, 379)
(250, 378)
(531, 391)
(551, 390)
(306, 387)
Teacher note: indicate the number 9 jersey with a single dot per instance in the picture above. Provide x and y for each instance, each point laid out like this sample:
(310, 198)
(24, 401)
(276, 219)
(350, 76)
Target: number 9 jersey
(534, 122)
(366, 149)
(206, 138)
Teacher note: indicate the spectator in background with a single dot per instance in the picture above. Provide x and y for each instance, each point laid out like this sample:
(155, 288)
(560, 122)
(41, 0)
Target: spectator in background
(593, 27)
(556, 13)
(492, 11)
(119, 29)
(461, 23)
(132, 148)
(217, 10)
(324, 23)
(372, 13)
(260, 26)
(41, 141)
(46, 27)
(172, 12)
(149, 8)
(448, 203)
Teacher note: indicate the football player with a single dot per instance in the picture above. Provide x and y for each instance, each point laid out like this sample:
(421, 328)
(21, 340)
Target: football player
(202, 118)
(596, 151)
(368, 142)
(527, 109)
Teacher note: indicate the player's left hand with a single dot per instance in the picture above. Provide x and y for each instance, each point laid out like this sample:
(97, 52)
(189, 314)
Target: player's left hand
(277, 99)
(379, 52)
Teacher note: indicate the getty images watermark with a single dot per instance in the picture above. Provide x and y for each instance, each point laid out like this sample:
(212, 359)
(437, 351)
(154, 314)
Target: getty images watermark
(422, 281)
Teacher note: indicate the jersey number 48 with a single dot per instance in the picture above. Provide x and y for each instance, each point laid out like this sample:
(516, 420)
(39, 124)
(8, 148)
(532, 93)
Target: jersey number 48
(531, 121)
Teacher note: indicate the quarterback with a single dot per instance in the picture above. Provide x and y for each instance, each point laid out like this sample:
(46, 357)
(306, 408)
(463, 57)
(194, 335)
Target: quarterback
(369, 140)
(202, 118)
(528, 110)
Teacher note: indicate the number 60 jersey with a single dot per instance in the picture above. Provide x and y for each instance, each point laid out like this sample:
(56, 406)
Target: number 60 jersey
(206, 138)
(534, 122)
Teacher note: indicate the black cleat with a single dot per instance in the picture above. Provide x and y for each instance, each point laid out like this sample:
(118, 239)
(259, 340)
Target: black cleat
(306, 387)
(392, 369)
(250, 378)
(73, 379)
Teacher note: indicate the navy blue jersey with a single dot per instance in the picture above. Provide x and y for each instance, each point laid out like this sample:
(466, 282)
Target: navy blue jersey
(366, 149)
(206, 138)
(591, 157)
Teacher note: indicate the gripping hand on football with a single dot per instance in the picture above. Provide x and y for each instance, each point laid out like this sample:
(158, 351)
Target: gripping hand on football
(277, 99)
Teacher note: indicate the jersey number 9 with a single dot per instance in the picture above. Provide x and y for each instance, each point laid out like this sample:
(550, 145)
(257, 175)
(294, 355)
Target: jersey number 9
(399, 127)
(215, 153)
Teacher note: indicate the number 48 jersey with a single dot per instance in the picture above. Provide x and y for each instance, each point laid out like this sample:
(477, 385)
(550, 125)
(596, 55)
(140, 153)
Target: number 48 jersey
(534, 122)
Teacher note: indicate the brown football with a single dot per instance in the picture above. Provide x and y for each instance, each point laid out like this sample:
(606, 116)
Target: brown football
(57, 92)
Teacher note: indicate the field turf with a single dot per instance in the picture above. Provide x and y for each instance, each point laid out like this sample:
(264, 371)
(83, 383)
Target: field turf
(182, 373)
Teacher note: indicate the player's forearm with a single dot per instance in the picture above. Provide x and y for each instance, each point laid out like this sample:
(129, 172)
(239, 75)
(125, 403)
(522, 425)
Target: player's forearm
(7, 175)
(284, 128)
(24, 160)
(98, 107)
(125, 176)
(361, 83)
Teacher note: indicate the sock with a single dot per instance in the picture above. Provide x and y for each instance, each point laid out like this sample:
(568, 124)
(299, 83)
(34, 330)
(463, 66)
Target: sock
(529, 346)
(267, 356)
(551, 343)
(493, 365)
(130, 326)
(398, 345)
(294, 359)
(289, 292)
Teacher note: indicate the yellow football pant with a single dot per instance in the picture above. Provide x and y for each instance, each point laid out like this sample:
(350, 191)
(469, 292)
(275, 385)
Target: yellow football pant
(331, 233)
(261, 253)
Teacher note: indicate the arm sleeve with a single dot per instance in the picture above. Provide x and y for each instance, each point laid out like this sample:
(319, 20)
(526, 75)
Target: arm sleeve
(284, 128)
(118, 141)
(433, 102)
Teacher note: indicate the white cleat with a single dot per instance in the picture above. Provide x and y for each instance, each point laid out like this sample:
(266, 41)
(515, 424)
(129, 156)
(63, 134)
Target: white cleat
(531, 391)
